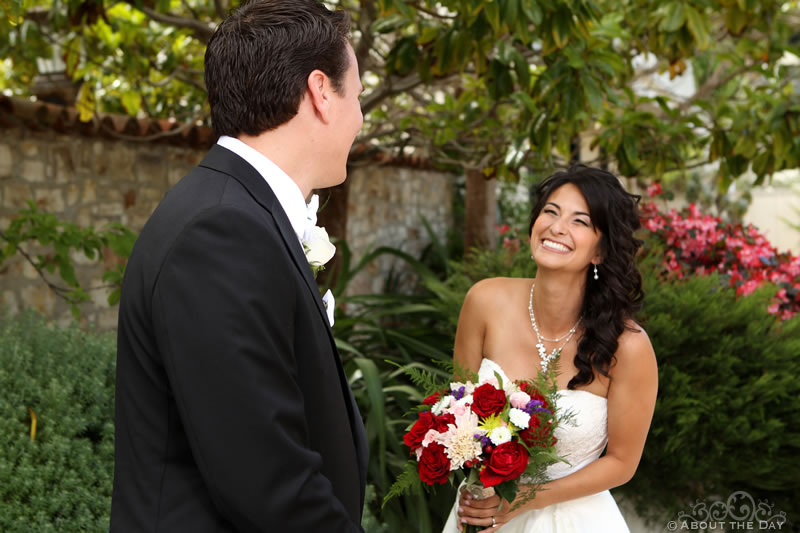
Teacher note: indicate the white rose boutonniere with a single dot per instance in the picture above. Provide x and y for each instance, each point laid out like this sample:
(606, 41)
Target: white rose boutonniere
(318, 248)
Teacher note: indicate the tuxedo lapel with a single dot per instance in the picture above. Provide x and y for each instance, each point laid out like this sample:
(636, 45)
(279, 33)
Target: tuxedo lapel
(225, 161)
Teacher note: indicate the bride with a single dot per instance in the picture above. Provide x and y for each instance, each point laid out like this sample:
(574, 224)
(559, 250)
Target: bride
(579, 312)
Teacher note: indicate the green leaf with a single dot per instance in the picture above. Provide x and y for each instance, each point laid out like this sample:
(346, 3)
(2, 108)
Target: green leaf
(407, 482)
(507, 491)
(343, 346)
(443, 52)
(427, 35)
(522, 70)
(780, 146)
(390, 23)
(697, 27)
(532, 11)
(736, 19)
(574, 57)
(745, 146)
(674, 17)
(114, 297)
(72, 51)
(404, 56)
(86, 102)
(492, 11)
(526, 101)
(593, 93)
(561, 27)
(500, 82)
(131, 101)
(511, 11)
(377, 410)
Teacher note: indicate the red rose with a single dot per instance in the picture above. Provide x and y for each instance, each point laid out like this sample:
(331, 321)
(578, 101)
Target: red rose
(434, 466)
(487, 400)
(538, 434)
(432, 399)
(426, 422)
(508, 461)
(440, 423)
(413, 439)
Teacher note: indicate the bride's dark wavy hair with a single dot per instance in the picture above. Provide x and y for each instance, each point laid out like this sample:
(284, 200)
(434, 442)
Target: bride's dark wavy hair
(616, 297)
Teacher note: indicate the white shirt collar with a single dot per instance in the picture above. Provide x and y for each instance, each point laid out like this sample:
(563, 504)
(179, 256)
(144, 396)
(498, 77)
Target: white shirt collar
(286, 190)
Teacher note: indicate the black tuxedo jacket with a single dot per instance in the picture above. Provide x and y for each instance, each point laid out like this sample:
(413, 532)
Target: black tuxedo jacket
(232, 408)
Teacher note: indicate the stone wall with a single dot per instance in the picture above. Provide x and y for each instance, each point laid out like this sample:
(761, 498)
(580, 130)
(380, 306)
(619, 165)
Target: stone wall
(96, 181)
(88, 181)
(386, 206)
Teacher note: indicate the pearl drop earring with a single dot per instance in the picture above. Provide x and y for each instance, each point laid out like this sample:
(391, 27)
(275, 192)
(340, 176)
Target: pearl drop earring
(595, 273)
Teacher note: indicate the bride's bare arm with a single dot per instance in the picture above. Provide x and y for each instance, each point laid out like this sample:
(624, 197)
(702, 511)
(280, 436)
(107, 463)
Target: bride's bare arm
(468, 349)
(631, 400)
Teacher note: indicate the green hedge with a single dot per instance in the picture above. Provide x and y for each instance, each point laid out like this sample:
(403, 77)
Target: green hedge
(728, 411)
(61, 481)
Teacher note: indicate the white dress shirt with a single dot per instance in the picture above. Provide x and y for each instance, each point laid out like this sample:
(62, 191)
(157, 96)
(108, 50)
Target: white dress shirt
(286, 190)
(288, 194)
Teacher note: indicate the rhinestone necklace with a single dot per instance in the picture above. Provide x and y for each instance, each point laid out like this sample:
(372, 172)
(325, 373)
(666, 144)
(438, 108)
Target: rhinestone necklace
(543, 355)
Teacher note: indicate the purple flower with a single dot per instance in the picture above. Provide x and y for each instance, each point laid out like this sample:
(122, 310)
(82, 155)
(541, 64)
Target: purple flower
(459, 393)
(532, 406)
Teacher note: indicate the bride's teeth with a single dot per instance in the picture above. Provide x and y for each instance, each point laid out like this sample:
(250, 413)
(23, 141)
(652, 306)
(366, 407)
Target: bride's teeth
(556, 246)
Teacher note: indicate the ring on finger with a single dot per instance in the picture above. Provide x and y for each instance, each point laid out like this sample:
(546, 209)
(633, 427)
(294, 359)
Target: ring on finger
(494, 522)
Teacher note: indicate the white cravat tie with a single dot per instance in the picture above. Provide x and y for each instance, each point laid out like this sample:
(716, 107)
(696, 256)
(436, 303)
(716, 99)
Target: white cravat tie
(311, 214)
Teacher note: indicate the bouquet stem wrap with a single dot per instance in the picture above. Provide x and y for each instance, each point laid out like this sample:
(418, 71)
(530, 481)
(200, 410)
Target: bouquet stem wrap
(477, 491)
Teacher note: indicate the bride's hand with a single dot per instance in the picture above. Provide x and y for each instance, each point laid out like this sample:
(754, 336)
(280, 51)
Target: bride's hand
(476, 512)
(483, 513)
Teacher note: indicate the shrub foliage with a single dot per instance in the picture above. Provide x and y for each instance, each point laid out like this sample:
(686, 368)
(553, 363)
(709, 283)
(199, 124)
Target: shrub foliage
(61, 378)
(727, 416)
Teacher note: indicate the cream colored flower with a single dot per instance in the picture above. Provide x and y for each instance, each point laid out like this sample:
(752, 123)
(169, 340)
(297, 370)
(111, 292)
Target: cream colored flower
(459, 442)
(500, 435)
(318, 247)
(439, 407)
(519, 418)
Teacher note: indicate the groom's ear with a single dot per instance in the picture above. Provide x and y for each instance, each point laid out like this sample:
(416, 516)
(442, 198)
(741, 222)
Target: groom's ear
(320, 92)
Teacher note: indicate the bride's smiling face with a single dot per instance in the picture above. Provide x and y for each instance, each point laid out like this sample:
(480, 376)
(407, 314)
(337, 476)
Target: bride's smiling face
(563, 235)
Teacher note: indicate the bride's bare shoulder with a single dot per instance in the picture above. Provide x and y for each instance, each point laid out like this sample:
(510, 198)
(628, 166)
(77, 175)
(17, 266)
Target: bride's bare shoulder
(491, 291)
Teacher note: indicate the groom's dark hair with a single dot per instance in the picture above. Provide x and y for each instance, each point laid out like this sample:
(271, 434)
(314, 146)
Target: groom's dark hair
(258, 61)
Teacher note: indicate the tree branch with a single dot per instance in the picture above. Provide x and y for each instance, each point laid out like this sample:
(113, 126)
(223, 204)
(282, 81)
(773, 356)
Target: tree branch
(712, 85)
(146, 138)
(202, 31)
(221, 8)
(393, 86)
(430, 12)
(390, 87)
(366, 17)
(62, 292)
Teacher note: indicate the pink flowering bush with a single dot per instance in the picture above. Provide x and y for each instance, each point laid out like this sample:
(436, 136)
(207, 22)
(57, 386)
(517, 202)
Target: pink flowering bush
(744, 259)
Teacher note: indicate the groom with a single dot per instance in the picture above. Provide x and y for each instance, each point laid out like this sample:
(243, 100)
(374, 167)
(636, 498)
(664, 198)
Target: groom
(233, 412)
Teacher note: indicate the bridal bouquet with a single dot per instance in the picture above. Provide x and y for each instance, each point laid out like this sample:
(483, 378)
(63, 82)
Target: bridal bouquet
(499, 435)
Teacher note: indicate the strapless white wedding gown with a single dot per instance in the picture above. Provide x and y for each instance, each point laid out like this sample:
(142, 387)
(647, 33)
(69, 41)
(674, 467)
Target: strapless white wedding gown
(580, 442)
